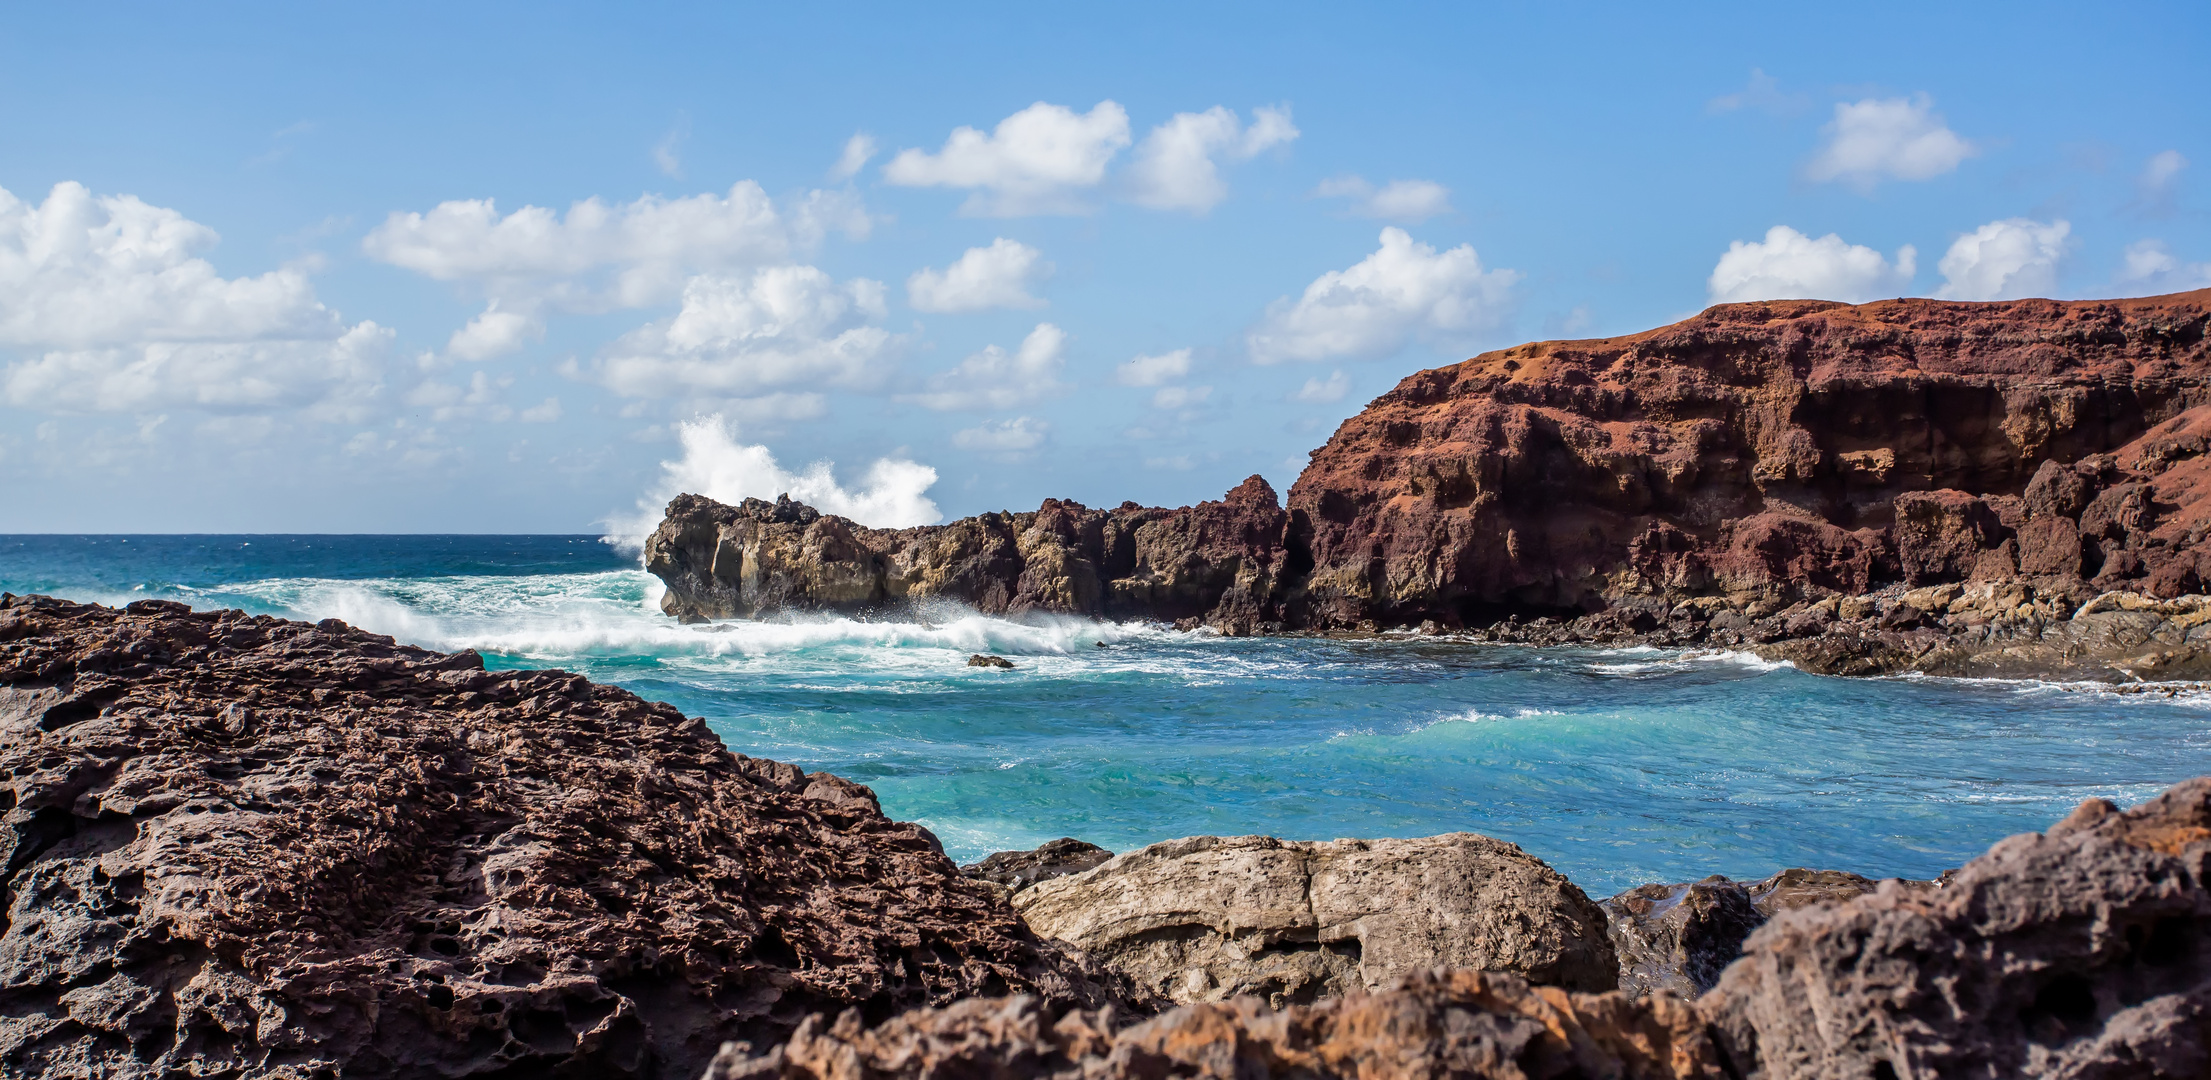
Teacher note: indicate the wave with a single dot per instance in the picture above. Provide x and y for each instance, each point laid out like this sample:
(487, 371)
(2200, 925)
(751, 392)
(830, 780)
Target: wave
(1671, 662)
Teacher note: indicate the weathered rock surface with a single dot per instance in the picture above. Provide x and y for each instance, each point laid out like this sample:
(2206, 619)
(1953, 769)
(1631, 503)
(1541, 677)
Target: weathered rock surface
(240, 846)
(1017, 870)
(1208, 918)
(1430, 1025)
(2081, 952)
(1216, 563)
(2084, 951)
(1676, 939)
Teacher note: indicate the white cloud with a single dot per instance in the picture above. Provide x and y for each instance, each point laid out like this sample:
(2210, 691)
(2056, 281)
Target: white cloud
(544, 412)
(1405, 290)
(1763, 93)
(2162, 170)
(597, 256)
(1037, 161)
(778, 327)
(1003, 436)
(1887, 139)
(996, 379)
(1154, 370)
(1174, 167)
(1180, 397)
(2004, 260)
(666, 154)
(984, 277)
(2148, 267)
(1788, 265)
(1321, 392)
(857, 150)
(110, 294)
(496, 332)
(1398, 200)
(893, 494)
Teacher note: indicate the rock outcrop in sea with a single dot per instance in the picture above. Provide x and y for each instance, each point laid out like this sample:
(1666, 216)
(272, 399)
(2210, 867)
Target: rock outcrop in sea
(240, 846)
(2008, 488)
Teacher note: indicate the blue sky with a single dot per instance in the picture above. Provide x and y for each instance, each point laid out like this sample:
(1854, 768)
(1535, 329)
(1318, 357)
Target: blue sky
(304, 268)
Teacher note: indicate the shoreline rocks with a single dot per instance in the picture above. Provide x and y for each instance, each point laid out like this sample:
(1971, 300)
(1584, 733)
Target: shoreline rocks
(1207, 918)
(237, 845)
(1790, 477)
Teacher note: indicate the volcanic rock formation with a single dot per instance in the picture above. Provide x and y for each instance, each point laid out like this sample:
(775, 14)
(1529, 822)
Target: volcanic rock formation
(1209, 918)
(1676, 939)
(2081, 952)
(1216, 563)
(239, 846)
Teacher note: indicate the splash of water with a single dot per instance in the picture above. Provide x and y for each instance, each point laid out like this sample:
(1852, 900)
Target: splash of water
(893, 494)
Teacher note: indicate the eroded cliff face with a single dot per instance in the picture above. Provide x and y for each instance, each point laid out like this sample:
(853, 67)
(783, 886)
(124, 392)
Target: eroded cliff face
(1785, 450)
(1222, 563)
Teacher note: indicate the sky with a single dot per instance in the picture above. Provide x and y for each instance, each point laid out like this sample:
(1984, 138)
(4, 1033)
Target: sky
(534, 268)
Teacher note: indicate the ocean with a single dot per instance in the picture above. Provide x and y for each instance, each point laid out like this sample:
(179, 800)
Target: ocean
(1618, 767)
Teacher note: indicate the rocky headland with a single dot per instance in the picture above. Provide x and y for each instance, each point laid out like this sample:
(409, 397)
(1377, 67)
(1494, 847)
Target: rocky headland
(240, 846)
(2013, 488)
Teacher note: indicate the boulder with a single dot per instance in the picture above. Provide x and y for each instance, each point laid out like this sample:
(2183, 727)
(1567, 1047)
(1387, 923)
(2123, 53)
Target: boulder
(1677, 939)
(1208, 918)
(240, 846)
(2084, 951)
(1017, 870)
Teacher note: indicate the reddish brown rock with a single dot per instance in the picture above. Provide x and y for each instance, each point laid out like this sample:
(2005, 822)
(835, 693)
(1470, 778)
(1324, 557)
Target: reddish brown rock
(1791, 450)
(1436, 1024)
(239, 846)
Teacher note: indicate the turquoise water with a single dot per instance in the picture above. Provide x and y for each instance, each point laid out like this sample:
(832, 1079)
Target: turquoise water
(1619, 767)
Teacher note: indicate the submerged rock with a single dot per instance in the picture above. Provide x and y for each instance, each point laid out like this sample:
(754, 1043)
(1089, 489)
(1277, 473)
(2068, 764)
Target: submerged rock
(1209, 918)
(1017, 870)
(240, 846)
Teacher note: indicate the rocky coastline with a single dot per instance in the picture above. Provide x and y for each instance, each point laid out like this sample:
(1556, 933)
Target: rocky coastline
(1981, 489)
(240, 846)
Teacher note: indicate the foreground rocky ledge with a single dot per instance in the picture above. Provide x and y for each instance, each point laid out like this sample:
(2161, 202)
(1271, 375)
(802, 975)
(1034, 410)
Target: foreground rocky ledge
(240, 846)
(2079, 952)
(1792, 477)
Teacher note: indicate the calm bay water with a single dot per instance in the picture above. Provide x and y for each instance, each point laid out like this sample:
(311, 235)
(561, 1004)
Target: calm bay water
(1618, 767)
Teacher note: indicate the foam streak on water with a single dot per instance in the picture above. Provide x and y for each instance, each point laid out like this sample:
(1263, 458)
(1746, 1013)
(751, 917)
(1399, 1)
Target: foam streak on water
(1620, 766)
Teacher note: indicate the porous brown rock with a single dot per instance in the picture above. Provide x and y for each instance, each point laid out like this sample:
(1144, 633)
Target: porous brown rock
(1217, 563)
(1208, 918)
(240, 846)
(1017, 870)
(1677, 939)
(1428, 1025)
(2084, 951)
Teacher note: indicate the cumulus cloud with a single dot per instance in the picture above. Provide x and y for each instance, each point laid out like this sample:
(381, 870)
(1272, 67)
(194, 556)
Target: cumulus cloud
(1175, 167)
(783, 326)
(997, 379)
(1398, 200)
(1037, 161)
(1404, 291)
(1887, 139)
(857, 150)
(599, 257)
(984, 277)
(496, 332)
(1788, 265)
(1154, 370)
(1321, 391)
(892, 494)
(119, 312)
(2004, 260)
(2149, 267)
(1003, 436)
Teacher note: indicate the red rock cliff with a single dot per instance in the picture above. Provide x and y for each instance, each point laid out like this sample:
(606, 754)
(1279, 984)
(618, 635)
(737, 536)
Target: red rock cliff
(1785, 450)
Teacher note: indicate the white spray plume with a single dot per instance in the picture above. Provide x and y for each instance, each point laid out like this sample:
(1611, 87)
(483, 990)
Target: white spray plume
(893, 494)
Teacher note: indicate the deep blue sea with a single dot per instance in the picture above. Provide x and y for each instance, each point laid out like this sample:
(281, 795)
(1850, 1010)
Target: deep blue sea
(1618, 767)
